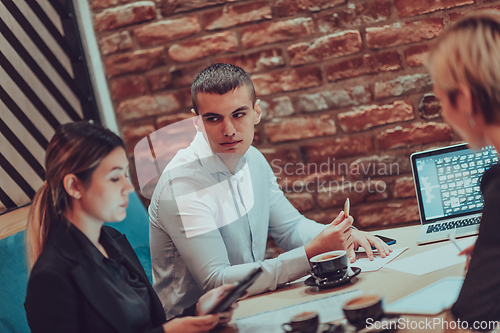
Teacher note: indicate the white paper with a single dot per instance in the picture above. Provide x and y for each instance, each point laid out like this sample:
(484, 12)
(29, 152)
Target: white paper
(432, 260)
(378, 262)
(329, 309)
(430, 300)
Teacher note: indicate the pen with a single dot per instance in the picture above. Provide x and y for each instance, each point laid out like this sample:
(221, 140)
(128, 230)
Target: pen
(454, 241)
(347, 207)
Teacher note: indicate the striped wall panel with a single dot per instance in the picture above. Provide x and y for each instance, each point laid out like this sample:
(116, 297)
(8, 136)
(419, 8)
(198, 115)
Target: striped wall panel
(43, 84)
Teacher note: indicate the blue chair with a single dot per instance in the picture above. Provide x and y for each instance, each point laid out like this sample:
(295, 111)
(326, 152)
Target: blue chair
(14, 270)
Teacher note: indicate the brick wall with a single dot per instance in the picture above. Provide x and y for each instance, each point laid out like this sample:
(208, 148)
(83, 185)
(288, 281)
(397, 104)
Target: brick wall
(344, 93)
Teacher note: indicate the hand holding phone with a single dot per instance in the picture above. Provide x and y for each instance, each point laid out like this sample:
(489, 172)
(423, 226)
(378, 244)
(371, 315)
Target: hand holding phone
(236, 292)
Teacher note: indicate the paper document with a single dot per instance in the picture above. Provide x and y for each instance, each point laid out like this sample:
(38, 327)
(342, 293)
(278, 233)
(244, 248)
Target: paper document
(378, 262)
(430, 300)
(329, 309)
(432, 260)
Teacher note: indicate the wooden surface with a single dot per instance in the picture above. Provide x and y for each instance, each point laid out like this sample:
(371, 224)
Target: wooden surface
(392, 285)
(13, 222)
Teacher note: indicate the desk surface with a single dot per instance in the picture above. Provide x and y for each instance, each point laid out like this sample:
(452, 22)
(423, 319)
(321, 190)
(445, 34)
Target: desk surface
(393, 285)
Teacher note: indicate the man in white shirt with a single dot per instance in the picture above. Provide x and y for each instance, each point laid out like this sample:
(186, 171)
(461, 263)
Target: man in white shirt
(218, 200)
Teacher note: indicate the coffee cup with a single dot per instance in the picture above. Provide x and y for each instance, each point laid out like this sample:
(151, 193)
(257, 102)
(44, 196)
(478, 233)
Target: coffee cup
(361, 308)
(304, 322)
(331, 265)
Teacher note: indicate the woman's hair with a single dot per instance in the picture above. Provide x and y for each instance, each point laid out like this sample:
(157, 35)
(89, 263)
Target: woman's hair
(469, 53)
(76, 148)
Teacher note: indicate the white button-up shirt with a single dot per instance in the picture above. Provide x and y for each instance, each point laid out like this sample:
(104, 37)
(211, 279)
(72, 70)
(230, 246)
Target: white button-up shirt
(209, 227)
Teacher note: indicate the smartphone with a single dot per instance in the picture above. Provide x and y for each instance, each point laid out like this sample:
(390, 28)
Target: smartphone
(387, 240)
(236, 292)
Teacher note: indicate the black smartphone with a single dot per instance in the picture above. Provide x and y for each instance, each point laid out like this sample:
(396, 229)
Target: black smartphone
(236, 292)
(387, 240)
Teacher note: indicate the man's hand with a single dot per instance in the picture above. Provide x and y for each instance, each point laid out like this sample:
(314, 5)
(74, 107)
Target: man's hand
(336, 236)
(366, 240)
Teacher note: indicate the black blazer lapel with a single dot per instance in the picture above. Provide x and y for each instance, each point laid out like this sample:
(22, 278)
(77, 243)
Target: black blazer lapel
(132, 263)
(87, 278)
(96, 292)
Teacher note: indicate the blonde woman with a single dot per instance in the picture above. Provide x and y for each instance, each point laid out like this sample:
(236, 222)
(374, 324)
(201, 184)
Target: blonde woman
(465, 67)
(86, 277)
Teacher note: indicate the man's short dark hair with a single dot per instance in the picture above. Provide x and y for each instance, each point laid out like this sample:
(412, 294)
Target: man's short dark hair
(219, 79)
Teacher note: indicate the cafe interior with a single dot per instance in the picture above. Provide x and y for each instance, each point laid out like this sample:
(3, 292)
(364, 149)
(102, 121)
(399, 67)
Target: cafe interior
(349, 123)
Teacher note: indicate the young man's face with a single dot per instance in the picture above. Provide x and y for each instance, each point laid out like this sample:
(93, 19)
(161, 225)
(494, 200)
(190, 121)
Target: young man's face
(229, 120)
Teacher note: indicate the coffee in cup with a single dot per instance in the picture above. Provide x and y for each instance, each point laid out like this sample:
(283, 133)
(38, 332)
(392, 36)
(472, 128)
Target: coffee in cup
(304, 322)
(331, 265)
(361, 308)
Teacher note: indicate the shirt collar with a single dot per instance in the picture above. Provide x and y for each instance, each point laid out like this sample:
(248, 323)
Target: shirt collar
(211, 161)
(113, 250)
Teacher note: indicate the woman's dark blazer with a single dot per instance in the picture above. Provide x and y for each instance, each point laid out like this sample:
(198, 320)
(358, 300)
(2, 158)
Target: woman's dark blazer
(66, 294)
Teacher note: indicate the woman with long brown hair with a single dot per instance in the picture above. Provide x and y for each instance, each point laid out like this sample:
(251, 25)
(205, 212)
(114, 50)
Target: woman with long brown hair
(85, 277)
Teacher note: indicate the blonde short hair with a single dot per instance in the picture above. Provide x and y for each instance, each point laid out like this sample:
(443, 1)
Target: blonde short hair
(469, 53)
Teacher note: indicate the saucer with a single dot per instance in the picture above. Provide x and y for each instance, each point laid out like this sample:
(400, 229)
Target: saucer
(311, 281)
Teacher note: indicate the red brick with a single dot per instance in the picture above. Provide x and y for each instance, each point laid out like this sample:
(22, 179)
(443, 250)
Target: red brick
(167, 30)
(375, 115)
(172, 119)
(380, 215)
(379, 166)
(294, 79)
(145, 106)
(455, 16)
(326, 47)
(281, 156)
(257, 61)
(334, 99)
(129, 86)
(298, 177)
(120, 41)
(298, 128)
(204, 46)
(169, 7)
(404, 188)
(291, 7)
(403, 32)
(101, 4)
(415, 55)
(416, 133)
(112, 18)
(354, 16)
(184, 96)
(301, 201)
(339, 147)
(272, 32)
(257, 137)
(429, 107)
(134, 61)
(276, 107)
(334, 193)
(233, 15)
(408, 84)
(174, 76)
(133, 133)
(366, 64)
(411, 7)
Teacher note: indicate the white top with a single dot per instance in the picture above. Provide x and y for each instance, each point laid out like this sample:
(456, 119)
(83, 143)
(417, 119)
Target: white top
(209, 227)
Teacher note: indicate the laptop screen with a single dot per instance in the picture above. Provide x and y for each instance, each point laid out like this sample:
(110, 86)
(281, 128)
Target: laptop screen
(448, 180)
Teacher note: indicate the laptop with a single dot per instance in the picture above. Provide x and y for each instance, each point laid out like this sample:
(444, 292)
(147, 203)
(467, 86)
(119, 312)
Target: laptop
(447, 183)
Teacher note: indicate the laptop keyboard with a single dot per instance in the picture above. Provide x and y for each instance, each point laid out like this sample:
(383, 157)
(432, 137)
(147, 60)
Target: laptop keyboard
(437, 227)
